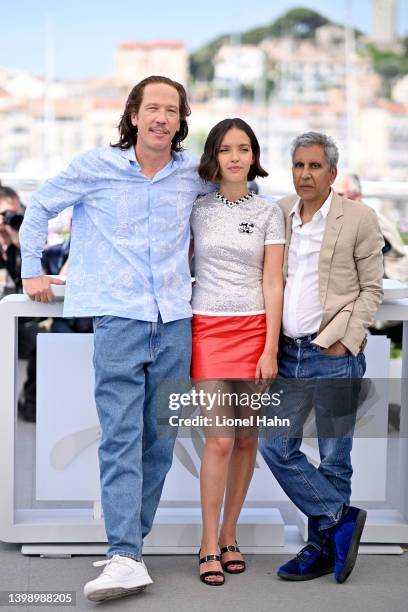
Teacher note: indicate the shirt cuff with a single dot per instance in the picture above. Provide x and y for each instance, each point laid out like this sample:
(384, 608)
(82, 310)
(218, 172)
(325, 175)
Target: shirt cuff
(31, 268)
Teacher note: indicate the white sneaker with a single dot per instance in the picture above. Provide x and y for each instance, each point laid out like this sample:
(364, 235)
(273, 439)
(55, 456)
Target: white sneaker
(121, 576)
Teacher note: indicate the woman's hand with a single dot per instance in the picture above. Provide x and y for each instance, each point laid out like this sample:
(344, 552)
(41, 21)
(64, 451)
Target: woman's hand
(267, 367)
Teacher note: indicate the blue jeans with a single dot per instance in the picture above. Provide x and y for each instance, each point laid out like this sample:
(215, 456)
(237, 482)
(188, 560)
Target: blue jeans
(309, 378)
(131, 360)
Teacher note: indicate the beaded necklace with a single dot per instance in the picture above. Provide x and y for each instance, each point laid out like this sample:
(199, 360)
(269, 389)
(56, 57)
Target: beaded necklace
(230, 203)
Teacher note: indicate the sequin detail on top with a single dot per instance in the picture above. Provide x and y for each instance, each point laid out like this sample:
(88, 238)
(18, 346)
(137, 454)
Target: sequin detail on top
(229, 245)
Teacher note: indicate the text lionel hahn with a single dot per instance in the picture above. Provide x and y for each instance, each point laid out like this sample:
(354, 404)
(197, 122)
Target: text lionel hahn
(223, 421)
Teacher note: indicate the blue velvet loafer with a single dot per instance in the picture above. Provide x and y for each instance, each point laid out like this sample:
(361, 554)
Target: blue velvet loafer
(345, 538)
(309, 563)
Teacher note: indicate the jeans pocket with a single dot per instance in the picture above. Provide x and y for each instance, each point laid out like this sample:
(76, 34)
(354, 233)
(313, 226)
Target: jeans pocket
(333, 366)
(328, 356)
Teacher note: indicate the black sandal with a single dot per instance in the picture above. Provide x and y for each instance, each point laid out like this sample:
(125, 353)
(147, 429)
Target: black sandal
(205, 575)
(227, 564)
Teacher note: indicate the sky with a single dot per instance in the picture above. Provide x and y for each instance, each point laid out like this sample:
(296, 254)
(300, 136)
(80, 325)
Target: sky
(86, 33)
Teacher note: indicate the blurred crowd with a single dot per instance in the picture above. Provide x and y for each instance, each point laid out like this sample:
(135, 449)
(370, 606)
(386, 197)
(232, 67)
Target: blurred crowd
(54, 261)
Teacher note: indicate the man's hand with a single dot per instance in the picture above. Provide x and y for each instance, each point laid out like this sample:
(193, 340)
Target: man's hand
(38, 288)
(336, 349)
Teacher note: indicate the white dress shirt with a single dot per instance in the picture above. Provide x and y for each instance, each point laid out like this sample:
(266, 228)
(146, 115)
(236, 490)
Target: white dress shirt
(302, 310)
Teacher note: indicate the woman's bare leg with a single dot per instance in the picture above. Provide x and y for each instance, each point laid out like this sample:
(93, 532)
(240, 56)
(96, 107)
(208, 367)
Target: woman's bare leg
(240, 471)
(213, 478)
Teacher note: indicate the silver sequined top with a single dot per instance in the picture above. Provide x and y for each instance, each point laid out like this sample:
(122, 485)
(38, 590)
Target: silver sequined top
(229, 252)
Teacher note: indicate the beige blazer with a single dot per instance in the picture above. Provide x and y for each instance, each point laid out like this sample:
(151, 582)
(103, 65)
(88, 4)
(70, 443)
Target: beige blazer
(350, 271)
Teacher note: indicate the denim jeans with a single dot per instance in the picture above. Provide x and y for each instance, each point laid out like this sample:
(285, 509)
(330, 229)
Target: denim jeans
(308, 378)
(131, 359)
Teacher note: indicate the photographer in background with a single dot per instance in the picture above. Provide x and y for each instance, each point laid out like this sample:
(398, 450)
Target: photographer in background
(11, 218)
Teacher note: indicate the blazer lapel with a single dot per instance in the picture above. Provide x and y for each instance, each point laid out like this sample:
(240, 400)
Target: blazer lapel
(334, 223)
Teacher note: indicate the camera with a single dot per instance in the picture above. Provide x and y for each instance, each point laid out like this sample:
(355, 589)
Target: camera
(14, 220)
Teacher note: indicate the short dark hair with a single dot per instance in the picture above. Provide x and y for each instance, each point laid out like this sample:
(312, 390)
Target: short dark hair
(209, 169)
(128, 132)
(8, 192)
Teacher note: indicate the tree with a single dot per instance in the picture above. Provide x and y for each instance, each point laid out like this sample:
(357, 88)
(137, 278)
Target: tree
(301, 23)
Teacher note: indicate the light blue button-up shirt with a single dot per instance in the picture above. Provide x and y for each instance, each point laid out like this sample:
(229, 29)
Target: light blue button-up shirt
(130, 234)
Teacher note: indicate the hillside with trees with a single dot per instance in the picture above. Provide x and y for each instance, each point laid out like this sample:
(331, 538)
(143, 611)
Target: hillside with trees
(299, 23)
(302, 23)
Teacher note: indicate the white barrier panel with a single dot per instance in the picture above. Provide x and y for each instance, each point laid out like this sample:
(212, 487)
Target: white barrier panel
(68, 432)
(63, 522)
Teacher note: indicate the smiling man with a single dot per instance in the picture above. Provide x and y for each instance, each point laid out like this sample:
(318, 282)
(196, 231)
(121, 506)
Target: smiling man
(129, 271)
(333, 270)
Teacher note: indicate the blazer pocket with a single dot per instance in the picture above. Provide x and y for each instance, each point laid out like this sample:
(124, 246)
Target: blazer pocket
(348, 308)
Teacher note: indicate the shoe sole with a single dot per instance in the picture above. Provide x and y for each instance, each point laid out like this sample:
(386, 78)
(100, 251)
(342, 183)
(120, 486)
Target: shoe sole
(115, 593)
(297, 578)
(353, 550)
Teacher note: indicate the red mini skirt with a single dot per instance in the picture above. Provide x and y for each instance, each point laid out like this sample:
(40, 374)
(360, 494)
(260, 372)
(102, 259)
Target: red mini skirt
(227, 347)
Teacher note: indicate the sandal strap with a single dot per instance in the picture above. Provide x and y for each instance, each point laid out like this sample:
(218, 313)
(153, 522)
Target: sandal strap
(209, 558)
(231, 548)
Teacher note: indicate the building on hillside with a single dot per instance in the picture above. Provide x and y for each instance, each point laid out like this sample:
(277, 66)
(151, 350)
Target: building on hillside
(383, 18)
(308, 71)
(400, 90)
(135, 61)
(236, 64)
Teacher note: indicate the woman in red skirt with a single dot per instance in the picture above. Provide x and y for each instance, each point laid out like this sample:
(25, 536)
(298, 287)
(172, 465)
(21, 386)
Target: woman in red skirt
(237, 309)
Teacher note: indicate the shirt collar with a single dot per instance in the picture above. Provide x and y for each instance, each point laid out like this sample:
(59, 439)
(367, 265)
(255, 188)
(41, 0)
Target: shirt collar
(129, 153)
(323, 210)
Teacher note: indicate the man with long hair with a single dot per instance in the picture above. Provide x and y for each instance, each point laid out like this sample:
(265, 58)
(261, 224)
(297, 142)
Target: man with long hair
(129, 271)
